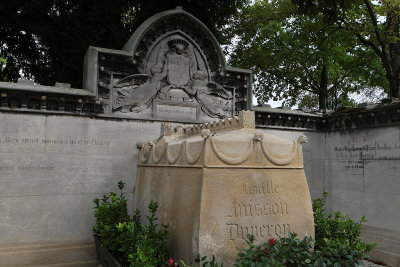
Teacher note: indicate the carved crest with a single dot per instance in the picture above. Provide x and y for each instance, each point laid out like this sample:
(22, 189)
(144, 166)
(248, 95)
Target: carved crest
(173, 69)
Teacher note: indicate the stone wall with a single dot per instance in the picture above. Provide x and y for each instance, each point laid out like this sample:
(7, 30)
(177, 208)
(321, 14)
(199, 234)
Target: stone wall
(362, 175)
(52, 167)
(360, 169)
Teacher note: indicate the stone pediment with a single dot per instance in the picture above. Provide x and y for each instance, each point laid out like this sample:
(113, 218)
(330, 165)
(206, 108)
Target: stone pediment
(173, 69)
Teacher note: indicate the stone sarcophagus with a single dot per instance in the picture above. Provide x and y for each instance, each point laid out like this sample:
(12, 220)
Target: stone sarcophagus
(218, 182)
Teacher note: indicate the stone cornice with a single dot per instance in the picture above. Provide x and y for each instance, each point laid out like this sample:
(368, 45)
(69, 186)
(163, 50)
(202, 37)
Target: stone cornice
(287, 119)
(363, 116)
(346, 118)
(26, 96)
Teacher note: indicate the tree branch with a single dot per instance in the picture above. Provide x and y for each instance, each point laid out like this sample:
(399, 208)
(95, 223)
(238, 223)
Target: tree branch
(384, 53)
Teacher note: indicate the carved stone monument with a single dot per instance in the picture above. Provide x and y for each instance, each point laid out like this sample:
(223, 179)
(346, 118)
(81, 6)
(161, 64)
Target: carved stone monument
(173, 69)
(218, 182)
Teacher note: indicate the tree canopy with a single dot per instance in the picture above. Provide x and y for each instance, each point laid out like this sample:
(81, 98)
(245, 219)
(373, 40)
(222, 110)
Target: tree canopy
(375, 24)
(300, 59)
(46, 40)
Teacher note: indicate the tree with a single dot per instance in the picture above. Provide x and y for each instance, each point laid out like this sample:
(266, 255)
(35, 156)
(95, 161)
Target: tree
(302, 60)
(374, 23)
(46, 40)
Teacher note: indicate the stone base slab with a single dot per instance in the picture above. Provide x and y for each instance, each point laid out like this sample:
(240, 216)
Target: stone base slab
(49, 254)
(388, 248)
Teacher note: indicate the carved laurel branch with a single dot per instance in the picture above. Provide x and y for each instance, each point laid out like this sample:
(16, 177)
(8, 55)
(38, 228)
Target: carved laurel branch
(244, 120)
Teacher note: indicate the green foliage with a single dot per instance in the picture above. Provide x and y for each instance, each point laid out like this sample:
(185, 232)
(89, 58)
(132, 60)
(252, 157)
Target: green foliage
(202, 261)
(110, 211)
(337, 243)
(46, 40)
(130, 241)
(331, 9)
(375, 25)
(285, 251)
(337, 236)
(301, 59)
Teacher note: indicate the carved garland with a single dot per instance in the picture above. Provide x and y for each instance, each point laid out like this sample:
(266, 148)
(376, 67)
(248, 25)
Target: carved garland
(233, 160)
(147, 150)
(193, 159)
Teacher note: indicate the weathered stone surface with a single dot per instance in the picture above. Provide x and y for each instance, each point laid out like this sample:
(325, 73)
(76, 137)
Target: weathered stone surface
(52, 167)
(172, 57)
(74, 254)
(220, 181)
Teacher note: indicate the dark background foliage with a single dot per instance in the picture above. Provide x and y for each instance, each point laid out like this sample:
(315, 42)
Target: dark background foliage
(46, 40)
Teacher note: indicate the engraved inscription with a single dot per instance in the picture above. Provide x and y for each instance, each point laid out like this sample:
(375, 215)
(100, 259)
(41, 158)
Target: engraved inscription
(248, 209)
(8, 166)
(251, 211)
(170, 111)
(266, 188)
(353, 157)
(71, 141)
(237, 232)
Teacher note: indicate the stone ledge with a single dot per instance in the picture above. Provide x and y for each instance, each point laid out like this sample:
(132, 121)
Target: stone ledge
(365, 116)
(346, 118)
(388, 242)
(61, 88)
(292, 119)
(48, 254)
(390, 259)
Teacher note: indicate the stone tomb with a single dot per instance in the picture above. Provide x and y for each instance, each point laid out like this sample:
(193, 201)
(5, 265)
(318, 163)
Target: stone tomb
(218, 182)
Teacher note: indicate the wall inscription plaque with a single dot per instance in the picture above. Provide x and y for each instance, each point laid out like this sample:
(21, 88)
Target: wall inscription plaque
(180, 111)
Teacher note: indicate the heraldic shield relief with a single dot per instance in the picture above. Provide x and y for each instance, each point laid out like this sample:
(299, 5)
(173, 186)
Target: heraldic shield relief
(172, 68)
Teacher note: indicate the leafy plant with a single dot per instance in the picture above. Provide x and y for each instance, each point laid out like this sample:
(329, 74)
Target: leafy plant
(202, 261)
(337, 243)
(151, 243)
(130, 241)
(285, 251)
(337, 236)
(110, 211)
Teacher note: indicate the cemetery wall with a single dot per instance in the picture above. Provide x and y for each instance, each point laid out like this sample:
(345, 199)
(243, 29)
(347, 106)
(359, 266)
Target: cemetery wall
(52, 166)
(360, 169)
(362, 176)
(363, 173)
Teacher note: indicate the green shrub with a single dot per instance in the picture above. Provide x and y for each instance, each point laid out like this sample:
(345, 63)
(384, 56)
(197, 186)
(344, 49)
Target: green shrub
(202, 261)
(131, 242)
(337, 237)
(109, 212)
(285, 251)
(337, 243)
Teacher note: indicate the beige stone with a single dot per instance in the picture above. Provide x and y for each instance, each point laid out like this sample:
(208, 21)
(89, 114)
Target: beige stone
(218, 182)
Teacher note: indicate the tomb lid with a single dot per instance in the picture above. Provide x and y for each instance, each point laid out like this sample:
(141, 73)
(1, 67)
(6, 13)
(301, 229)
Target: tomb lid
(231, 142)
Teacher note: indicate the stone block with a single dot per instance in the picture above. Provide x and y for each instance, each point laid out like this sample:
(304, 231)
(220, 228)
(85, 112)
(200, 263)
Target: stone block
(49, 254)
(219, 182)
